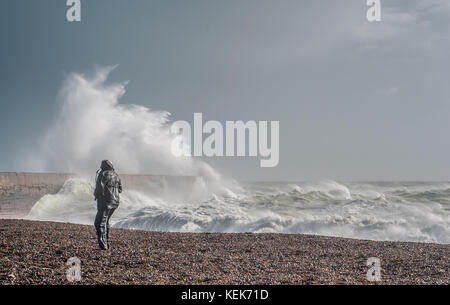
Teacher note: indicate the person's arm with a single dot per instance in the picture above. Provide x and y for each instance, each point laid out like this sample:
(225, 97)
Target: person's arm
(98, 192)
(120, 185)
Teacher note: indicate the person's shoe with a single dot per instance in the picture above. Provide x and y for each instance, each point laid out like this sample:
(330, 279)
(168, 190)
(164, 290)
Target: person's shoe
(103, 244)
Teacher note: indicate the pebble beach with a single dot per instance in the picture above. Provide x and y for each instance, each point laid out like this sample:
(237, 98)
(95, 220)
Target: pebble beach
(33, 252)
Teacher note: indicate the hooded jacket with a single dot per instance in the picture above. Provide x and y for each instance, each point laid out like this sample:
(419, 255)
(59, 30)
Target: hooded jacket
(107, 186)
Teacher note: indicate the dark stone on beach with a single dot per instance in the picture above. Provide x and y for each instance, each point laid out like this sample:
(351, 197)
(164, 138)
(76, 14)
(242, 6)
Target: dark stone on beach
(36, 253)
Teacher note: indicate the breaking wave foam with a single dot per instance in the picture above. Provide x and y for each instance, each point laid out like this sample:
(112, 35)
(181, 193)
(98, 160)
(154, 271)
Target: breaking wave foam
(417, 212)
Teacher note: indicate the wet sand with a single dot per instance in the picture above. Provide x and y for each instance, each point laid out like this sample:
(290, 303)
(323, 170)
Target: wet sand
(34, 252)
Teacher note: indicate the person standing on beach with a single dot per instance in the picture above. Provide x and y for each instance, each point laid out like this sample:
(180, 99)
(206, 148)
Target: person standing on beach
(107, 189)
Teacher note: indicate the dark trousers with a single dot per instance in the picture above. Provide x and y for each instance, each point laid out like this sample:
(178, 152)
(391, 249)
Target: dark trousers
(101, 224)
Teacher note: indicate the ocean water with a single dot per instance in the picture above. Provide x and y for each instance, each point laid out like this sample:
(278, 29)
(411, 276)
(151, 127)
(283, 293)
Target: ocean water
(90, 116)
(393, 211)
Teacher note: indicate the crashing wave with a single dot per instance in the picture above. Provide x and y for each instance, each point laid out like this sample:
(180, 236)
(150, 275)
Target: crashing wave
(376, 211)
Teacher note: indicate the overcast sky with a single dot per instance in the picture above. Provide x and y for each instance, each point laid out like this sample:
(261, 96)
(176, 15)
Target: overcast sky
(355, 100)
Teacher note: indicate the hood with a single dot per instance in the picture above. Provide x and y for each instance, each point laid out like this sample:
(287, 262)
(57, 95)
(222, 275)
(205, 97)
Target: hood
(106, 165)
